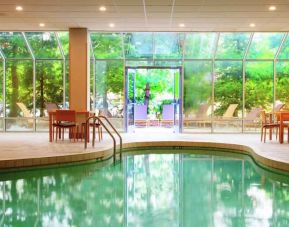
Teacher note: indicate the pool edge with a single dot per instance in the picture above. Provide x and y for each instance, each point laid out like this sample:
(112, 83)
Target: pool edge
(106, 152)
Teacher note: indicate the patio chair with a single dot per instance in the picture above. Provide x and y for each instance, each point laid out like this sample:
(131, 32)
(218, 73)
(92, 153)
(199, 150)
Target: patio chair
(64, 119)
(229, 113)
(24, 109)
(51, 106)
(168, 115)
(253, 117)
(278, 107)
(200, 117)
(267, 125)
(140, 115)
(96, 124)
(26, 113)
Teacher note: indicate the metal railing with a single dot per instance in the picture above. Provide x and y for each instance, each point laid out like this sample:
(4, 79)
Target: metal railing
(98, 118)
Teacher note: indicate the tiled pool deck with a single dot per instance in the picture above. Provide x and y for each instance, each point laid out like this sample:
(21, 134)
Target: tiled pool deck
(33, 149)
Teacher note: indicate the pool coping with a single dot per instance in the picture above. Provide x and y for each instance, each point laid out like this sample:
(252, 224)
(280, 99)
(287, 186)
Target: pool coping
(107, 152)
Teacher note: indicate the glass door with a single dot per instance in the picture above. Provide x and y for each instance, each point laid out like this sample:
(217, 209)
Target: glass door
(159, 89)
(177, 100)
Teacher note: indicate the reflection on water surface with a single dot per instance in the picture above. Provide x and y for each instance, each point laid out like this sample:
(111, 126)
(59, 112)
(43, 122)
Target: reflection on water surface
(147, 190)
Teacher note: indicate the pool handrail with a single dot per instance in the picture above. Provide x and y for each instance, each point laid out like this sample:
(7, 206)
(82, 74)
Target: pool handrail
(108, 131)
(116, 132)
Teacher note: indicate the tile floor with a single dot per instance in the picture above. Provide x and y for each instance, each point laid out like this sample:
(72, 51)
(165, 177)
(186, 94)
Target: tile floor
(25, 149)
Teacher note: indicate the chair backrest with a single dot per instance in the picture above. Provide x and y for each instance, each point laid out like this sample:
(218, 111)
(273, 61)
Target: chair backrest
(23, 108)
(51, 106)
(263, 117)
(81, 117)
(65, 115)
(230, 110)
(278, 107)
(253, 114)
(203, 110)
(168, 112)
(140, 112)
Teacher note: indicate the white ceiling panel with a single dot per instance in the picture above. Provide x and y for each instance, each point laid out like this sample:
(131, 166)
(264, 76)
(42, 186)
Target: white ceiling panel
(146, 15)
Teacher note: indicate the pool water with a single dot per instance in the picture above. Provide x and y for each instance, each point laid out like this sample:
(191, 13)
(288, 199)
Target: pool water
(147, 190)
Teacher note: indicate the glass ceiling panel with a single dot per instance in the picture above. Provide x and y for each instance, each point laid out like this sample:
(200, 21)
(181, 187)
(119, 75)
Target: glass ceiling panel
(265, 45)
(284, 53)
(43, 44)
(138, 45)
(13, 45)
(107, 45)
(200, 45)
(64, 40)
(168, 45)
(232, 45)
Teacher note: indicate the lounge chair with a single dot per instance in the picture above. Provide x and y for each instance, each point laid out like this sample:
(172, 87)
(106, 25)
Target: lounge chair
(168, 115)
(24, 110)
(201, 117)
(26, 113)
(252, 119)
(229, 113)
(51, 106)
(140, 115)
(278, 107)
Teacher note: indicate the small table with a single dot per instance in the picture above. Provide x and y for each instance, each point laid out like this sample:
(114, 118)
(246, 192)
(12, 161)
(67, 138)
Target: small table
(51, 114)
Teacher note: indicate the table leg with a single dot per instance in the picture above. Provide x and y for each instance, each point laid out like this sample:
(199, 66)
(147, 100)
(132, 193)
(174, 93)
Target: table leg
(270, 129)
(281, 133)
(50, 128)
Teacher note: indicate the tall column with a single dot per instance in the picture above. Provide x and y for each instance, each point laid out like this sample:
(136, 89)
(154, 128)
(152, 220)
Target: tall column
(78, 69)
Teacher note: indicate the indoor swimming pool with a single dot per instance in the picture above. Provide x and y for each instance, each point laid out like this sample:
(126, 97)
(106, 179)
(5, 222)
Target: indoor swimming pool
(191, 188)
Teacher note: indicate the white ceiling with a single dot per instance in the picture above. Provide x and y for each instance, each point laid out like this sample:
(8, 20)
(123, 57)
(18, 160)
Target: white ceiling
(146, 15)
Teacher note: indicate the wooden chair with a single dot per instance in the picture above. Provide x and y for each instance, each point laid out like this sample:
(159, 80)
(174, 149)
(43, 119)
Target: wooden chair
(282, 118)
(96, 125)
(267, 125)
(64, 119)
(81, 124)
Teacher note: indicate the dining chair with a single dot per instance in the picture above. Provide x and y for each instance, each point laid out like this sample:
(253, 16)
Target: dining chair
(81, 124)
(96, 124)
(64, 119)
(267, 125)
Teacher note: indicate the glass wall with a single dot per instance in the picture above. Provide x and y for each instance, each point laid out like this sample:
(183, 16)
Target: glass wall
(35, 66)
(228, 76)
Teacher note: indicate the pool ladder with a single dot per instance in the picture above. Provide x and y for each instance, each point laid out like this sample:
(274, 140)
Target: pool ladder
(98, 118)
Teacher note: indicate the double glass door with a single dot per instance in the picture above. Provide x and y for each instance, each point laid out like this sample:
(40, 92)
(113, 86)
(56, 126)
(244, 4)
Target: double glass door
(153, 98)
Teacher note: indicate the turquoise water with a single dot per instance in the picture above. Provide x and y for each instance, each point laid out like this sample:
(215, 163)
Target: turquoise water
(147, 190)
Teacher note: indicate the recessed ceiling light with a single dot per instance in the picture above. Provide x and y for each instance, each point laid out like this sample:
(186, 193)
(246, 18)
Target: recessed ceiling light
(272, 8)
(111, 25)
(19, 8)
(252, 25)
(41, 25)
(181, 25)
(102, 8)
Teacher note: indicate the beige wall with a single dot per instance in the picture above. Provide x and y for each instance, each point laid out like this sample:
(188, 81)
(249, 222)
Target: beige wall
(78, 68)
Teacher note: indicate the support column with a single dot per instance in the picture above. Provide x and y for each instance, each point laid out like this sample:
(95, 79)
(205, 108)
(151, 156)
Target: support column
(78, 69)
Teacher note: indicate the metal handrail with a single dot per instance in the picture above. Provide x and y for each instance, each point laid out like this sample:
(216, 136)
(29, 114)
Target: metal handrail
(114, 129)
(108, 131)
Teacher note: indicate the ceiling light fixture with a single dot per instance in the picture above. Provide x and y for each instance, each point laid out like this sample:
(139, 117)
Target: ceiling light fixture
(252, 25)
(19, 8)
(111, 25)
(182, 25)
(272, 8)
(102, 8)
(41, 25)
